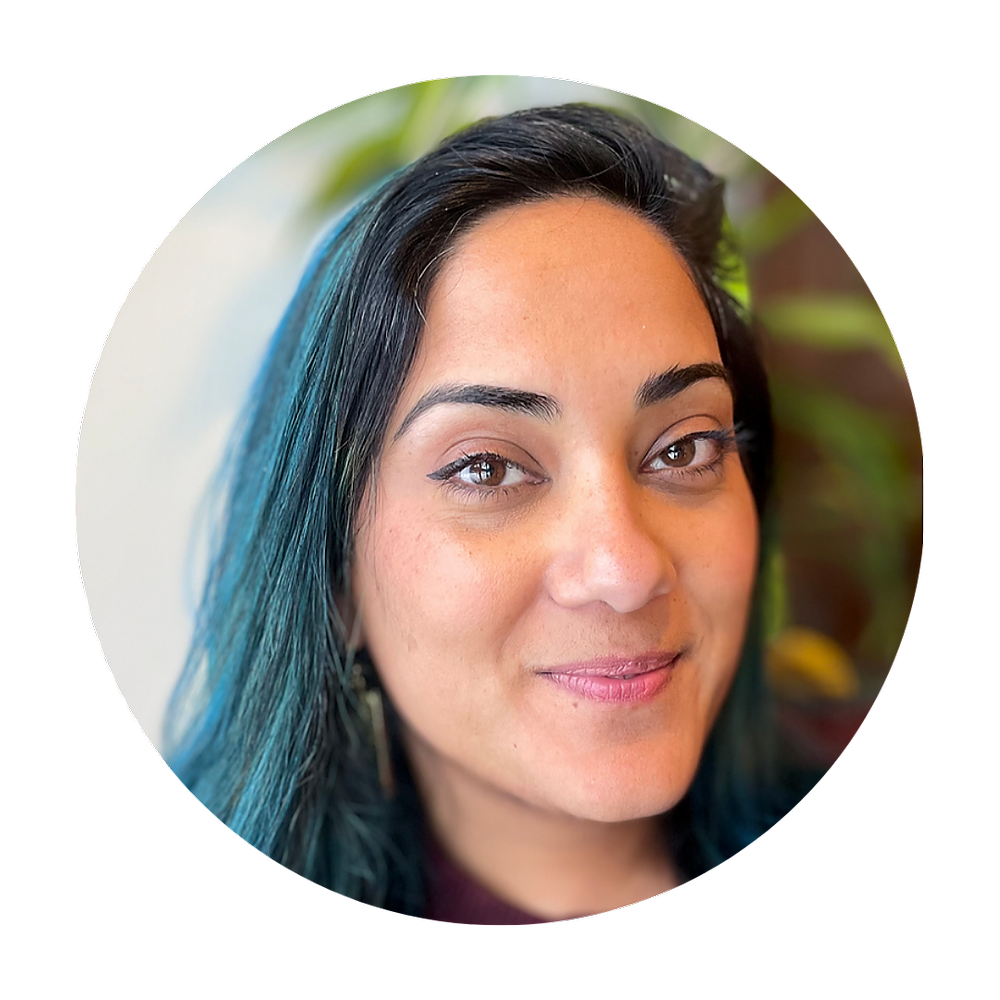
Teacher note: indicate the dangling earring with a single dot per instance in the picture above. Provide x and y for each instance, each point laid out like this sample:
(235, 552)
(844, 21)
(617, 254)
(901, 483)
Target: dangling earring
(371, 698)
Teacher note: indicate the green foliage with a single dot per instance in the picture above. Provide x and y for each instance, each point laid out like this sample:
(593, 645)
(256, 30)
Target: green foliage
(831, 322)
(733, 265)
(421, 116)
(772, 223)
(862, 479)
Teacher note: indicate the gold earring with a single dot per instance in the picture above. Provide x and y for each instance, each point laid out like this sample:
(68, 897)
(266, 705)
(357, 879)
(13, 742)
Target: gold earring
(371, 698)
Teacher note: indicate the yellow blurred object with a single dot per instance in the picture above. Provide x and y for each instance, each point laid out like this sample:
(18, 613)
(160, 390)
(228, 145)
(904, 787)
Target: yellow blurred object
(804, 663)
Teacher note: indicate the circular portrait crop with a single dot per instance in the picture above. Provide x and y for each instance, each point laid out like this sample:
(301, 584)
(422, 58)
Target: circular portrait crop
(499, 500)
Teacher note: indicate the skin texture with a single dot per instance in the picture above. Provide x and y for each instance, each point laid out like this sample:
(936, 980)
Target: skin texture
(575, 542)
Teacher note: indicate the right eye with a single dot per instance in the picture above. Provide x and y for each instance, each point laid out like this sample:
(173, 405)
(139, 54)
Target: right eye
(483, 474)
(487, 470)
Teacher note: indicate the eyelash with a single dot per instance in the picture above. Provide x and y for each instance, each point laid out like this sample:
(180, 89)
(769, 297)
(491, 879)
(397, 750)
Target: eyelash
(726, 440)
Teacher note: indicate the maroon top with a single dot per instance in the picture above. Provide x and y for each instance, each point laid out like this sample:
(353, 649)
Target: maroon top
(454, 897)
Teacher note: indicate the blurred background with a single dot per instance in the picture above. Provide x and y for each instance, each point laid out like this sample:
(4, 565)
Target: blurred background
(187, 343)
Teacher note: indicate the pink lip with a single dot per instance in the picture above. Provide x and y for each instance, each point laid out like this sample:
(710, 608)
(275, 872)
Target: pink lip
(616, 679)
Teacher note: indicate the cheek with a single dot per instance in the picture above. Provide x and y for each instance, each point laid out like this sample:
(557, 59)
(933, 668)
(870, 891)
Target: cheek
(435, 601)
(727, 567)
(721, 571)
(720, 546)
(440, 610)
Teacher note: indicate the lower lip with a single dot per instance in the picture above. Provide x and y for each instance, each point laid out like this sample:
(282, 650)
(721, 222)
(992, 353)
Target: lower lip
(616, 690)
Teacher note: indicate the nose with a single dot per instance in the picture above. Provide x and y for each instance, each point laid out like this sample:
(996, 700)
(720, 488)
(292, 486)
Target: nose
(607, 548)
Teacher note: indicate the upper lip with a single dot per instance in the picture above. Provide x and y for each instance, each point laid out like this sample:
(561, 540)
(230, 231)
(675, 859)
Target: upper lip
(615, 666)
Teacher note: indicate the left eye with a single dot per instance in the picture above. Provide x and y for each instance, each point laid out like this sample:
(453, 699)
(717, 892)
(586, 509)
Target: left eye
(687, 453)
(489, 471)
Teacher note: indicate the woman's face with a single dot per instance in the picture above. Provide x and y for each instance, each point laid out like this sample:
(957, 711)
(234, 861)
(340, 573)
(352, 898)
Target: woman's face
(555, 561)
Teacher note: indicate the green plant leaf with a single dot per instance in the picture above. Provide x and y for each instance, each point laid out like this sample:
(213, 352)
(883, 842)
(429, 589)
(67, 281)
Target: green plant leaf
(734, 277)
(835, 322)
(360, 167)
(772, 223)
(864, 480)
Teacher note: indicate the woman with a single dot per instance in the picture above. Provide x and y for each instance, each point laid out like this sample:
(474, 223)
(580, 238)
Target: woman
(479, 640)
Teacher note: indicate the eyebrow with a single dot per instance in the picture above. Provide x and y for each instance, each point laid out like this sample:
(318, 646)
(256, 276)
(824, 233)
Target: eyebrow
(534, 404)
(675, 380)
(655, 389)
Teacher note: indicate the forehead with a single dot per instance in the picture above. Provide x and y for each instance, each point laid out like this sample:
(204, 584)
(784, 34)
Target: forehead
(558, 288)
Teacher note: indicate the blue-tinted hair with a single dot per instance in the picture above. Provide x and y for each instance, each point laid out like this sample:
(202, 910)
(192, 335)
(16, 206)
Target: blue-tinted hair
(266, 725)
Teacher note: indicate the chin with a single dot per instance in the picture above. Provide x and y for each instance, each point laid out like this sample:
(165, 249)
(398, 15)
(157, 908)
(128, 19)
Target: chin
(620, 805)
(628, 790)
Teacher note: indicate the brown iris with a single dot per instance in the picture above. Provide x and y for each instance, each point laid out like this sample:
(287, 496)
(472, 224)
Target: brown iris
(680, 453)
(486, 472)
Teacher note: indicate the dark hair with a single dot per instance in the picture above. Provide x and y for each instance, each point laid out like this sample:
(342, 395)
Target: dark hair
(266, 725)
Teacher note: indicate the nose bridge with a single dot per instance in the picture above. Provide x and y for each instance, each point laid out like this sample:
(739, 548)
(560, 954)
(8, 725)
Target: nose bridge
(608, 550)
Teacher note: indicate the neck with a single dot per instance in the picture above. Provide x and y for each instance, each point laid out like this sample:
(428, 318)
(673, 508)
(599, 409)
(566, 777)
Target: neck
(552, 865)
